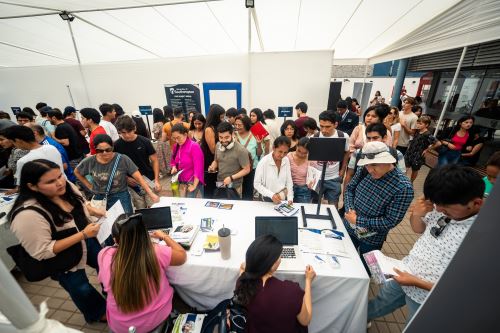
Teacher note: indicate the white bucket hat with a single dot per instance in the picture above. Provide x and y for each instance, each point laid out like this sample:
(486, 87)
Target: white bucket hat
(375, 152)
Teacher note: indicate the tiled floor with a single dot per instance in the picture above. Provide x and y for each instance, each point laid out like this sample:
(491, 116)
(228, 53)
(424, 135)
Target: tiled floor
(398, 244)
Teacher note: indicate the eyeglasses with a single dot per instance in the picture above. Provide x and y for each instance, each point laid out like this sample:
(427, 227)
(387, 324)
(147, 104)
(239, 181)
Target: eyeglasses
(369, 156)
(442, 223)
(129, 218)
(107, 150)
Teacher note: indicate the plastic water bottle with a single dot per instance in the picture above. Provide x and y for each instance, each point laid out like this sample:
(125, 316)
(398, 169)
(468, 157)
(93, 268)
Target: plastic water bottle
(175, 189)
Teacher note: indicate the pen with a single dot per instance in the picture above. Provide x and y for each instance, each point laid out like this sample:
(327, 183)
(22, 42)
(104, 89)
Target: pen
(334, 258)
(319, 258)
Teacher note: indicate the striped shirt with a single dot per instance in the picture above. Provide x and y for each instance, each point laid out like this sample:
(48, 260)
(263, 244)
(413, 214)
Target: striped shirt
(380, 204)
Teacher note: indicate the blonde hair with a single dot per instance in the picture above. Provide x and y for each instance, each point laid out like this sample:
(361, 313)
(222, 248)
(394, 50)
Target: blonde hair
(135, 271)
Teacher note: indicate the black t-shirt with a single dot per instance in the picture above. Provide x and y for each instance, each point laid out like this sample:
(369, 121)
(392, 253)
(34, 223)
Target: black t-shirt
(65, 131)
(139, 151)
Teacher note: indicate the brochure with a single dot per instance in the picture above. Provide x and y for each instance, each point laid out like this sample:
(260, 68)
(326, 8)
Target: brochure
(188, 323)
(285, 209)
(382, 266)
(321, 242)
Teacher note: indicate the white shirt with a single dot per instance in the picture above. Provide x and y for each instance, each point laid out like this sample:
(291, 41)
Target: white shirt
(273, 128)
(430, 256)
(110, 129)
(46, 152)
(395, 128)
(268, 181)
(332, 168)
(411, 122)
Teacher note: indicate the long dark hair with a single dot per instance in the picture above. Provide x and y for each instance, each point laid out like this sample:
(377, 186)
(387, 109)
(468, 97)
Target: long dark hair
(260, 258)
(260, 115)
(31, 174)
(213, 120)
(133, 275)
(197, 116)
(290, 123)
(158, 116)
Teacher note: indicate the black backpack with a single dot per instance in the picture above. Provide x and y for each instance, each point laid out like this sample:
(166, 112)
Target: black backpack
(227, 317)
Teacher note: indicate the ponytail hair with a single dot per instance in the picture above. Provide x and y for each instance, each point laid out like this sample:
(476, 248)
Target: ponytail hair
(260, 258)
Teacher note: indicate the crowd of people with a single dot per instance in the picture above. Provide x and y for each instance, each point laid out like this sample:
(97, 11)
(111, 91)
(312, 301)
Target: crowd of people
(73, 170)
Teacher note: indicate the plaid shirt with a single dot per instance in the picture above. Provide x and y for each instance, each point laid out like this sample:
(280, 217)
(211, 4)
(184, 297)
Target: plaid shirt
(380, 204)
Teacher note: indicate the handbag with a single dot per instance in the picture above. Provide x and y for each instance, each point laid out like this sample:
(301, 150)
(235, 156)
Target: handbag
(37, 270)
(227, 193)
(102, 203)
(227, 317)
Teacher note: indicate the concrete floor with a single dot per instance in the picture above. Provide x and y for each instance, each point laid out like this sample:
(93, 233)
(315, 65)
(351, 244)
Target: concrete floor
(398, 244)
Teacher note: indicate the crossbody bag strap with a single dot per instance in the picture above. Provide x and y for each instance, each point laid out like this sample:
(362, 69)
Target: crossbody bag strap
(110, 181)
(39, 211)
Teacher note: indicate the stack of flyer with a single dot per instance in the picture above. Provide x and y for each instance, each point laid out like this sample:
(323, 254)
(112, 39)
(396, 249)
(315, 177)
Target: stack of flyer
(185, 234)
(188, 323)
(382, 266)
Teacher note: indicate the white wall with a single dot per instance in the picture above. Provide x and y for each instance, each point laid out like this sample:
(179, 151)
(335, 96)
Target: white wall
(384, 84)
(276, 79)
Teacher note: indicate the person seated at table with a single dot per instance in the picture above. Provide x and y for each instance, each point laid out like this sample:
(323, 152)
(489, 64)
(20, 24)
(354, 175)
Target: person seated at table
(273, 305)
(188, 157)
(299, 165)
(231, 159)
(453, 196)
(273, 176)
(376, 199)
(138, 291)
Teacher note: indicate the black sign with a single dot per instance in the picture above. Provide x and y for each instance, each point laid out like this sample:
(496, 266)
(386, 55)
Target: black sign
(285, 111)
(186, 96)
(145, 110)
(15, 110)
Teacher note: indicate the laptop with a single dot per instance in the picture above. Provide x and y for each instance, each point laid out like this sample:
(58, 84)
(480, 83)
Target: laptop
(285, 228)
(158, 218)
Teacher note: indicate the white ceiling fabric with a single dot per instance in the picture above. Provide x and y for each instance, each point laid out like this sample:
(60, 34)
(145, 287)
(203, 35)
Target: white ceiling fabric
(33, 34)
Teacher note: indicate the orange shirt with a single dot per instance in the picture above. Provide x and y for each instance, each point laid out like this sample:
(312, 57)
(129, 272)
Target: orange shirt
(167, 129)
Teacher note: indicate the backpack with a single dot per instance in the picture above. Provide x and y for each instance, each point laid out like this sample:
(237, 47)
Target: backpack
(227, 317)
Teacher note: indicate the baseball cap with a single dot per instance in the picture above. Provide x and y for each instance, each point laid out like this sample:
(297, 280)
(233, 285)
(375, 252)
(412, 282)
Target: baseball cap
(68, 110)
(375, 152)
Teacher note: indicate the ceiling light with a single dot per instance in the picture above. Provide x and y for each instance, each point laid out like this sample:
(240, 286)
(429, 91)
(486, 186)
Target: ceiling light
(66, 16)
(249, 3)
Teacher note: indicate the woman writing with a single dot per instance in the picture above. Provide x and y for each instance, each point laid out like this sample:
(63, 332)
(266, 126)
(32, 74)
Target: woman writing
(273, 178)
(196, 127)
(273, 305)
(215, 116)
(106, 185)
(247, 140)
(46, 197)
(289, 129)
(256, 115)
(188, 157)
(452, 140)
(139, 293)
(374, 114)
(392, 124)
(298, 166)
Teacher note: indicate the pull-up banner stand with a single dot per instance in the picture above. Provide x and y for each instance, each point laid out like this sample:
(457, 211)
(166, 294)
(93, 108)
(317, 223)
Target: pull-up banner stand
(186, 96)
(146, 110)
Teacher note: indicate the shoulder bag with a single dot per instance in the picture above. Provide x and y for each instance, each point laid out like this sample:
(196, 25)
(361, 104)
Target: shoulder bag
(102, 203)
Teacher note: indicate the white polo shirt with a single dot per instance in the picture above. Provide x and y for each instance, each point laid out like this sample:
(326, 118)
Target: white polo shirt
(268, 181)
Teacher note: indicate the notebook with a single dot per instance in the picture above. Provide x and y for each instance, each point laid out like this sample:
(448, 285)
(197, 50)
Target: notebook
(159, 218)
(259, 131)
(285, 228)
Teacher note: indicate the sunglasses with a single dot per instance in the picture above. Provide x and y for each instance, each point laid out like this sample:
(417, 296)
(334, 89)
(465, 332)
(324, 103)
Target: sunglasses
(369, 156)
(442, 223)
(129, 218)
(107, 150)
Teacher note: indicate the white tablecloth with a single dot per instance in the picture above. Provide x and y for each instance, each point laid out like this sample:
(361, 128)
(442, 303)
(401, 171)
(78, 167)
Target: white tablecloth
(340, 296)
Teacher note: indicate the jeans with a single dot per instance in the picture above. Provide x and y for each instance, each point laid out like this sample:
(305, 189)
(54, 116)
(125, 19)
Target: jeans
(301, 194)
(449, 157)
(90, 303)
(93, 248)
(364, 248)
(389, 298)
(193, 194)
(331, 191)
(124, 198)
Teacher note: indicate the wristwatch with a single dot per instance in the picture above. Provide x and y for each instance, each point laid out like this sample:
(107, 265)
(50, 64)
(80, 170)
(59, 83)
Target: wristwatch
(231, 177)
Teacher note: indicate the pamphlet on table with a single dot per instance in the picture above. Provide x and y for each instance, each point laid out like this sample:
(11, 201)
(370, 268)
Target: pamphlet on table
(188, 323)
(286, 209)
(382, 266)
(321, 242)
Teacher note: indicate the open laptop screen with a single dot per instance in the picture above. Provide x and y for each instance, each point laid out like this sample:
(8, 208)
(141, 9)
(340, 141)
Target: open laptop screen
(156, 218)
(282, 227)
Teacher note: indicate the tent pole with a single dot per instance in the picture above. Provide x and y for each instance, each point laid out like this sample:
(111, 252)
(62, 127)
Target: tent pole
(15, 305)
(257, 28)
(447, 102)
(363, 87)
(79, 67)
(249, 55)
(70, 95)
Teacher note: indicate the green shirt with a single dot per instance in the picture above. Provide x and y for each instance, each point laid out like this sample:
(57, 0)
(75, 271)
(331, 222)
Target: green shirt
(488, 186)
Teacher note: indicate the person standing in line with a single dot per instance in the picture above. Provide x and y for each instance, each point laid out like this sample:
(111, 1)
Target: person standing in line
(272, 125)
(289, 129)
(69, 115)
(311, 127)
(196, 129)
(415, 155)
(349, 119)
(43, 120)
(66, 136)
(167, 128)
(108, 116)
(90, 120)
(208, 145)
(257, 116)
(142, 153)
(392, 124)
(231, 115)
(231, 159)
(408, 121)
(301, 109)
(299, 165)
(372, 115)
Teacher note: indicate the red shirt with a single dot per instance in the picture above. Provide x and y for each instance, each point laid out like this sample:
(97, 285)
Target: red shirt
(96, 131)
(459, 141)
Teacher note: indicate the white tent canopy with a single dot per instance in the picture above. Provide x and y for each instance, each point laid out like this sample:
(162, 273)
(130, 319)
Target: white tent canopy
(32, 33)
